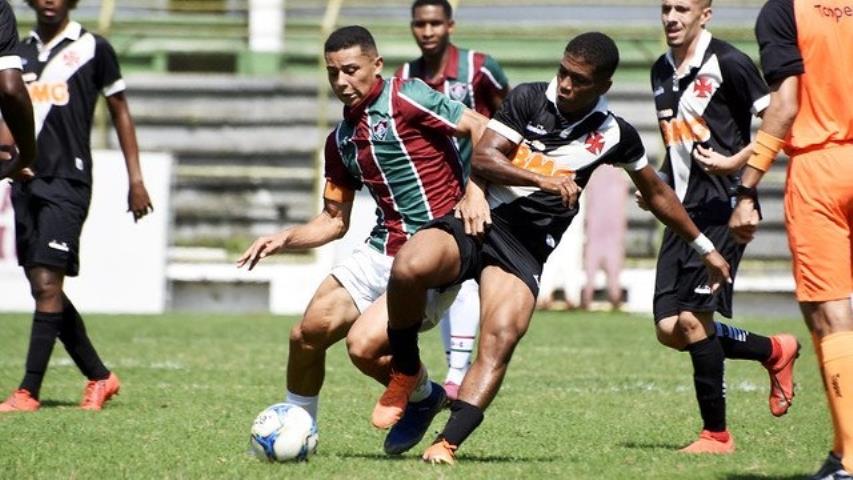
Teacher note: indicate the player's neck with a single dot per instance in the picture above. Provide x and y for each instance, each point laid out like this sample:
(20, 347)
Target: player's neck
(574, 117)
(434, 65)
(49, 31)
(682, 54)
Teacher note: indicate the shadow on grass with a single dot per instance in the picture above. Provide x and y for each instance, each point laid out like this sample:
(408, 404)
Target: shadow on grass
(753, 476)
(463, 458)
(58, 403)
(651, 446)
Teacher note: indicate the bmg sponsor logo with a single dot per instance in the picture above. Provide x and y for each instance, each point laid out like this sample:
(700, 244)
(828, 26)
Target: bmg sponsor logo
(49, 92)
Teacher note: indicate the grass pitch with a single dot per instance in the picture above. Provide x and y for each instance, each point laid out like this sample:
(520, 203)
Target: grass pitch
(587, 396)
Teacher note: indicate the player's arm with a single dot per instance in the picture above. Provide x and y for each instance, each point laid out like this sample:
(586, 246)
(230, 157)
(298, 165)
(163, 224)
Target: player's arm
(331, 224)
(472, 125)
(664, 204)
(18, 114)
(138, 201)
(491, 162)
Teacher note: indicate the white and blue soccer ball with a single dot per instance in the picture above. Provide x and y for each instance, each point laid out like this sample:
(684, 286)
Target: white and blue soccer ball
(284, 432)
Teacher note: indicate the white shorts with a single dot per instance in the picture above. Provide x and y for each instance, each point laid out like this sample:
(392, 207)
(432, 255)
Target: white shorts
(365, 273)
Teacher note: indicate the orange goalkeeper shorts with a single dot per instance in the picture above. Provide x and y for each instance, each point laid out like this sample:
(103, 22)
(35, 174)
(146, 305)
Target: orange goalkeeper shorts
(819, 218)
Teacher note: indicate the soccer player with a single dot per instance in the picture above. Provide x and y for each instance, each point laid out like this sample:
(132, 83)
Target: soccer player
(807, 60)
(706, 92)
(560, 131)
(476, 80)
(395, 139)
(66, 67)
(15, 102)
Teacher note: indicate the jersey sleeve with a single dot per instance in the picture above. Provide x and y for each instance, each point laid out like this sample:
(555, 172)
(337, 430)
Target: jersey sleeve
(630, 154)
(107, 72)
(335, 170)
(511, 119)
(490, 85)
(776, 32)
(428, 108)
(744, 83)
(8, 38)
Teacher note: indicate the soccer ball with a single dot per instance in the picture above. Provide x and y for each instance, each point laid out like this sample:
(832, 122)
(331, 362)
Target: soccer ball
(284, 432)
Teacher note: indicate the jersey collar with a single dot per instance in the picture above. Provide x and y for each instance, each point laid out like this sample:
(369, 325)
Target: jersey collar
(601, 107)
(72, 32)
(698, 54)
(352, 114)
(450, 72)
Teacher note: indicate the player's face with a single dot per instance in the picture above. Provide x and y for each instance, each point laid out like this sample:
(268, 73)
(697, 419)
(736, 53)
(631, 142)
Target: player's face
(50, 12)
(578, 88)
(352, 73)
(683, 20)
(431, 29)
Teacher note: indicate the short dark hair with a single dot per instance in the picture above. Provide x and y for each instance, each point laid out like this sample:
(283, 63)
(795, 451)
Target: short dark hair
(597, 49)
(72, 4)
(351, 36)
(444, 4)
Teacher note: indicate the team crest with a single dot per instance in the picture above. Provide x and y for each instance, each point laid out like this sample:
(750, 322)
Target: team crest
(71, 58)
(380, 128)
(458, 91)
(594, 143)
(702, 87)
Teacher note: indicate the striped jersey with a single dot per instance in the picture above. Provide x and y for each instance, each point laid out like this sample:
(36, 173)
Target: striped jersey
(398, 142)
(470, 77)
(812, 40)
(549, 144)
(709, 104)
(65, 76)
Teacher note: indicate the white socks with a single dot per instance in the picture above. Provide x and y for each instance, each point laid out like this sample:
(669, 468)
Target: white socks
(308, 403)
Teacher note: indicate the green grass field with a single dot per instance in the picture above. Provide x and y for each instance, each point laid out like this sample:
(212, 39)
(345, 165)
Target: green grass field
(587, 396)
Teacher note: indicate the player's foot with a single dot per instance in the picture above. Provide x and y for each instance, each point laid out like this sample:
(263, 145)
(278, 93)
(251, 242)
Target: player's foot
(781, 372)
(97, 392)
(440, 452)
(406, 433)
(20, 401)
(451, 389)
(709, 443)
(832, 469)
(389, 409)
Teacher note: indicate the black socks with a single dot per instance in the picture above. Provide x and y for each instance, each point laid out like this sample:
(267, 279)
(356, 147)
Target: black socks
(708, 357)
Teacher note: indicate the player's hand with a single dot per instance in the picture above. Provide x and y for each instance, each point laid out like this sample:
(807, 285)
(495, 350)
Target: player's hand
(262, 248)
(138, 201)
(9, 162)
(744, 220)
(715, 163)
(474, 212)
(564, 186)
(641, 202)
(718, 270)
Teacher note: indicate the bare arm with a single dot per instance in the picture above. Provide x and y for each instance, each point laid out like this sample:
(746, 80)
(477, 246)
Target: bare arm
(471, 125)
(138, 201)
(18, 115)
(331, 224)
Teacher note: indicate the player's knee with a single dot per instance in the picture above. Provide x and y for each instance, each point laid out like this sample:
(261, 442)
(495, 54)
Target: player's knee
(689, 326)
(305, 336)
(45, 289)
(362, 353)
(496, 346)
(669, 338)
(408, 269)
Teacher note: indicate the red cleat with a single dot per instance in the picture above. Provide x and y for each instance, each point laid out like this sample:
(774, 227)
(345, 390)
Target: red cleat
(389, 409)
(20, 401)
(786, 349)
(98, 392)
(440, 452)
(709, 442)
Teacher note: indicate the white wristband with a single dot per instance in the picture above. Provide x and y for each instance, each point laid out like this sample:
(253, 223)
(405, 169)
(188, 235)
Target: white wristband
(702, 245)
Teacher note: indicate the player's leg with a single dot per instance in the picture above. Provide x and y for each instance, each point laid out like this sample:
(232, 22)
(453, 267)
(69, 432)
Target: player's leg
(463, 319)
(507, 305)
(430, 259)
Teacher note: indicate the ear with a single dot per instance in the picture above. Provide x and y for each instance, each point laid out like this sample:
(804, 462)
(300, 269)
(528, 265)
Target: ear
(450, 26)
(707, 13)
(605, 86)
(378, 63)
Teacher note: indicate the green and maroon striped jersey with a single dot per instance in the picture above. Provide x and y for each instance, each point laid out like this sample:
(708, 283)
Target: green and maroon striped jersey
(398, 142)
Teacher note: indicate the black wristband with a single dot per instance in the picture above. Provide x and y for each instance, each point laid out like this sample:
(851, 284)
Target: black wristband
(748, 192)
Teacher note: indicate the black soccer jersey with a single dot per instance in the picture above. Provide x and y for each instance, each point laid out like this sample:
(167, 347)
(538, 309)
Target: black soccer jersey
(8, 38)
(64, 78)
(711, 104)
(554, 146)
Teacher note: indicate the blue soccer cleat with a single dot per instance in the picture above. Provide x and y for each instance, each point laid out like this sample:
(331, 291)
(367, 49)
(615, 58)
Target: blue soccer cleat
(416, 419)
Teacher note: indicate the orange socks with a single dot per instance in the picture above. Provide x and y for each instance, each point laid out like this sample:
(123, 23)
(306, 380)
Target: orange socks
(837, 362)
(836, 440)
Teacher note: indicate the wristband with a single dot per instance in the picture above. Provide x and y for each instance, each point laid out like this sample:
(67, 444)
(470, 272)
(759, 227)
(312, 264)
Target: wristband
(702, 245)
(764, 151)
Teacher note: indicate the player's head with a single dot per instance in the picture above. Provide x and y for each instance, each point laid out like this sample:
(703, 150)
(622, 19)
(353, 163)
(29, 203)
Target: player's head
(352, 63)
(52, 11)
(586, 71)
(432, 24)
(683, 20)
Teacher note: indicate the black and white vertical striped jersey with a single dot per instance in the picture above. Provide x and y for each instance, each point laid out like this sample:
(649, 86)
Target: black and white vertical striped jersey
(711, 104)
(64, 78)
(550, 145)
(8, 38)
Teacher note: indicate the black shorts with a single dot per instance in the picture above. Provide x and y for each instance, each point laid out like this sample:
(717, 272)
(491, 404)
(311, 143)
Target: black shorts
(499, 247)
(49, 216)
(681, 282)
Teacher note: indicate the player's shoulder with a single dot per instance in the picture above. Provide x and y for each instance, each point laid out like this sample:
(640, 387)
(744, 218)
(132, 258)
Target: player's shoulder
(627, 131)
(772, 10)
(530, 91)
(728, 53)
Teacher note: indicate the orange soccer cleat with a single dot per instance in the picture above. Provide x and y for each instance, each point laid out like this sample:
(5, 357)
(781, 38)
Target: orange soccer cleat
(98, 392)
(781, 369)
(440, 452)
(710, 442)
(390, 406)
(21, 400)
